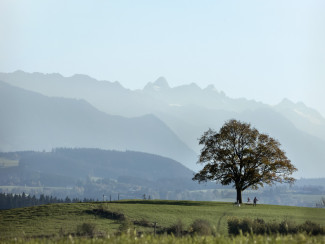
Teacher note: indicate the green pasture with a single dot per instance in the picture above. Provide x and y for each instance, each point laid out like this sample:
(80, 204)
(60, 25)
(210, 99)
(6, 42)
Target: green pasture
(8, 163)
(62, 219)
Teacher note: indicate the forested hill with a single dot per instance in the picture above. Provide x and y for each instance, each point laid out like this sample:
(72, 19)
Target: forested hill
(62, 167)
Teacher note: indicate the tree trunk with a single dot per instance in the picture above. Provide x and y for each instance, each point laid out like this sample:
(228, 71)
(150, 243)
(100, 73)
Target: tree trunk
(239, 199)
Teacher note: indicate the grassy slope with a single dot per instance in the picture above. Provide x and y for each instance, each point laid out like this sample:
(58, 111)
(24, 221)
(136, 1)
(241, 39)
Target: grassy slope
(8, 163)
(49, 219)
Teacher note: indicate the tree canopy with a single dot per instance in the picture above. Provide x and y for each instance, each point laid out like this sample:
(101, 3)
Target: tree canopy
(239, 154)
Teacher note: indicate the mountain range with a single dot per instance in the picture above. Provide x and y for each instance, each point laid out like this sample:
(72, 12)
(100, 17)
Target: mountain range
(31, 121)
(184, 111)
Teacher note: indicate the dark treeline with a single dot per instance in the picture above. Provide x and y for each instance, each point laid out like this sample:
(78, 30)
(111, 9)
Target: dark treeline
(8, 200)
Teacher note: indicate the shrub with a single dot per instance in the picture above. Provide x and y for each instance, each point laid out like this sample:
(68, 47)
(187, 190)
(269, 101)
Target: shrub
(312, 228)
(201, 227)
(246, 226)
(287, 227)
(233, 226)
(86, 229)
(100, 212)
(61, 232)
(178, 228)
(272, 228)
(143, 222)
(126, 226)
(258, 226)
(236, 226)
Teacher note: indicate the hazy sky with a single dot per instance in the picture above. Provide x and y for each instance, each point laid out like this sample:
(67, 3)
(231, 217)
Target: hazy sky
(262, 50)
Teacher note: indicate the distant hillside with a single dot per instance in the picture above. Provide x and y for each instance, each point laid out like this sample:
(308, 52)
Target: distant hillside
(93, 172)
(96, 163)
(30, 121)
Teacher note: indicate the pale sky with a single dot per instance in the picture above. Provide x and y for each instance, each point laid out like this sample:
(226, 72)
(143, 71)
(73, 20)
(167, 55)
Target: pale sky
(262, 50)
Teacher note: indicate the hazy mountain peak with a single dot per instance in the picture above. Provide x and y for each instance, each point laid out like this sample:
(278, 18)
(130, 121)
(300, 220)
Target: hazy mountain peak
(301, 110)
(158, 85)
(81, 77)
(190, 87)
(57, 75)
(118, 84)
(210, 87)
(194, 85)
(18, 71)
(161, 82)
(286, 103)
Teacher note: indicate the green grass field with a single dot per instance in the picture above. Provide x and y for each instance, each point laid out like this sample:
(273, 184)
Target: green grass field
(63, 219)
(8, 163)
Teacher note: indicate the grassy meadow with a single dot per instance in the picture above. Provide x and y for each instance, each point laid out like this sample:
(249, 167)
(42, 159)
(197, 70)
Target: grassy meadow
(4, 162)
(63, 219)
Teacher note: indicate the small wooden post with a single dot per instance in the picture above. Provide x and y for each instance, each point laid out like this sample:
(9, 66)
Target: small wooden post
(155, 227)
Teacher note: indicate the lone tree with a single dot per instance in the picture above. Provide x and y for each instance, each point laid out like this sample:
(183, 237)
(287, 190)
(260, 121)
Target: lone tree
(241, 155)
